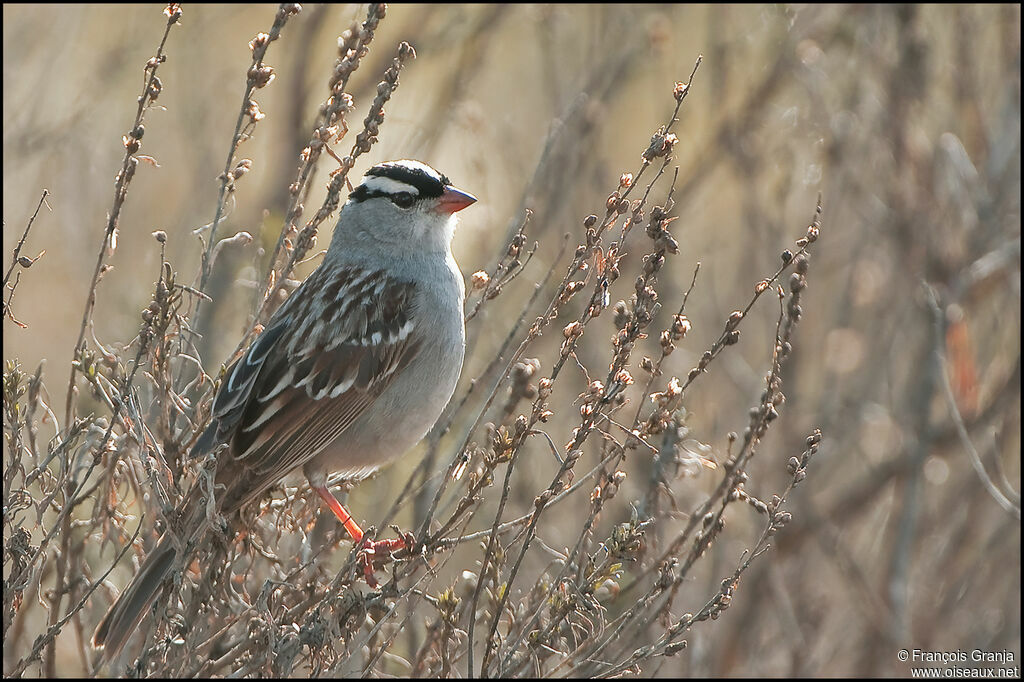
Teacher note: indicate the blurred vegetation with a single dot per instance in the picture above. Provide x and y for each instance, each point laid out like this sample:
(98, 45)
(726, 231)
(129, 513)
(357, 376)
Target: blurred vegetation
(904, 120)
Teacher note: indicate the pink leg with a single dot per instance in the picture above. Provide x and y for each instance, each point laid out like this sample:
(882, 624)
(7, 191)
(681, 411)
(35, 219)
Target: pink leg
(346, 519)
(369, 551)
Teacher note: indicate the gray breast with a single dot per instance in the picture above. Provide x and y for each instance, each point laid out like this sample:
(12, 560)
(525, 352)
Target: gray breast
(410, 405)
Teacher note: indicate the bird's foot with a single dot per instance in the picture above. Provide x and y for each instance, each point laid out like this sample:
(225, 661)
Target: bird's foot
(372, 554)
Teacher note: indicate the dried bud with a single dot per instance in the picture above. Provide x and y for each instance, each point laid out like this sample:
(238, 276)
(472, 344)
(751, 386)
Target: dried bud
(653, 262)
(666, 342)
(253, 111)
(680, 326)
(242, 168)
(479, 279)
(544, 386)
(160, 236)
(261, 76)
(661, 144)
(621, 314)
(570, 290)
(523, 371)
(156, 86)
(667, 242)
(679, 91)
(259, 41)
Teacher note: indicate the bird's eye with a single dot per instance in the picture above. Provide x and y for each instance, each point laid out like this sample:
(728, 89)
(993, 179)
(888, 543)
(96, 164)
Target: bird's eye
(403, 199)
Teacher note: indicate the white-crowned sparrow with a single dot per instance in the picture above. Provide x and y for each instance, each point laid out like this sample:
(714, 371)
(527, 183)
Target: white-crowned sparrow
(350, 372)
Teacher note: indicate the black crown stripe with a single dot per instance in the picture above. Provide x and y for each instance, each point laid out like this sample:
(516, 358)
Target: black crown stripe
(427, 184)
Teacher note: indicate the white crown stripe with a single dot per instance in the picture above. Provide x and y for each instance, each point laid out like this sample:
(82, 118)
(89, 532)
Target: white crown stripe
(414, 165)
(376, 183)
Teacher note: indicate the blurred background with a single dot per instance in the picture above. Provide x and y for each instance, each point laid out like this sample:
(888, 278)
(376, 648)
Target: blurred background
(905, 120)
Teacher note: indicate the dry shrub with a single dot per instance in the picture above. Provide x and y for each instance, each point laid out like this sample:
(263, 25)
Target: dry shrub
(613, 475)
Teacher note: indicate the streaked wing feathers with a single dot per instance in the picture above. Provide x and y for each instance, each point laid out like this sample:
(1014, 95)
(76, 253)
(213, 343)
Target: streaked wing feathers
(327, 353)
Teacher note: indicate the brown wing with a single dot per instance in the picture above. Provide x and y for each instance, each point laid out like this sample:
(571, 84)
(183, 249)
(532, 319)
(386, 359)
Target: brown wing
(325, 356)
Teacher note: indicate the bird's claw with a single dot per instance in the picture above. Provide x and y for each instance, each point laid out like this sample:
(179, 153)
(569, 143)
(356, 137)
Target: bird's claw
(372, 554)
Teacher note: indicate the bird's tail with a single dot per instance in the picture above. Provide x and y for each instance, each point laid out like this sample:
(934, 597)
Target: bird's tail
(124, 615)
